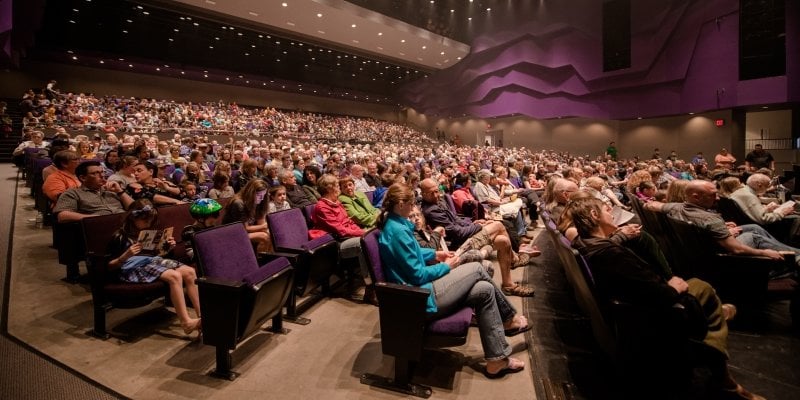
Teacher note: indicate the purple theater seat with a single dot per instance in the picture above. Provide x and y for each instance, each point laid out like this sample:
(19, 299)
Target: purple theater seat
(237, 295)
(405, 328)
(107, 290)
(315, 260)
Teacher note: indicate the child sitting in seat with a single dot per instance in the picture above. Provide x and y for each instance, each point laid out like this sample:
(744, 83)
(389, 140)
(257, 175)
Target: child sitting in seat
(277, 199)
(206, 215)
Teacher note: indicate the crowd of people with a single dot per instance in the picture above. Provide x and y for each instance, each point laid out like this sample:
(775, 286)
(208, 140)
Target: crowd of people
(496, 193)
(113, 114)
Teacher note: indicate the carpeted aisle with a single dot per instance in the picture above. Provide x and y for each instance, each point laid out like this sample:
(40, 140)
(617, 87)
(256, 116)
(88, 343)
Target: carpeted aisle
(24, 372)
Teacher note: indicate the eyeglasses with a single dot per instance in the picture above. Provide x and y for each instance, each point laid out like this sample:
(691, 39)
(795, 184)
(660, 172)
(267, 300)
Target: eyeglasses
(144, 212)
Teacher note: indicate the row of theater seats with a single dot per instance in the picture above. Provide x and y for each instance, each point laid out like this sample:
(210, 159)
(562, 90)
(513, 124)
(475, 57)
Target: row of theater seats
(639, 343)
(238, 296)
(739, 279)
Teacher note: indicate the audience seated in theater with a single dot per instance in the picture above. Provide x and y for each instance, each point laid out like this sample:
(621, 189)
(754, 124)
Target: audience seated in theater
(358, 207)
(746, 239)
(206, 214)
(748, 199)
(137, 265)
(221, 188)
(466, 204)
(508, 206)
(479, 233)
(64, 177)
(619, 274)
(37, 141)
(157, 191)
(676, 192)
(330, 216)
(277, 199)
(94, 196)
(357, 172)
(311, 175)
(729, 185)
(646, 191)
(297, 197)
(434, 239)
(451, 287)
(124, 173)
(247, 172)
(558, 195)
(248, 207)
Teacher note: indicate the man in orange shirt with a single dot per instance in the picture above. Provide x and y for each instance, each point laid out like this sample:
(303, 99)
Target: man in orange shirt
(64, 178)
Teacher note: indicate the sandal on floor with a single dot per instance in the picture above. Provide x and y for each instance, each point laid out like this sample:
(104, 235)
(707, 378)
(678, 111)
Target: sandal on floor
(508, 369)
(516, 331)
(522, 260)
(530, 250)
(518, 290)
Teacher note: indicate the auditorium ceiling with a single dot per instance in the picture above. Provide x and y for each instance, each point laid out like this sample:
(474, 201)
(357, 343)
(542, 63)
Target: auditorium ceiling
(361, 50)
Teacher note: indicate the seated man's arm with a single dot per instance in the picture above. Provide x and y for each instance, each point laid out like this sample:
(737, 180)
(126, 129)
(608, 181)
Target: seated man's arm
(71, 216)
(736, 247)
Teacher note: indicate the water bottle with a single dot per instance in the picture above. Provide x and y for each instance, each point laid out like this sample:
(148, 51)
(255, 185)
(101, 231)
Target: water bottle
(782, 193)
(39, 220)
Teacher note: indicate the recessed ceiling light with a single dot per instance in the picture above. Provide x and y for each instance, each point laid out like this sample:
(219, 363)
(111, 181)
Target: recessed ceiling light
(145, 13)
(260, 36)
(442, 53)
(71, 21)
(211, 2)
(74, 57)
(380, 33)
(321, 32)
(488, 9)
(124, 31)
(210, 47)
(319, 15)
(289, 23)
(402, 40)
(195, 24)
(240, 33)
(205, 76)
(424, 47)
(353, 26)
(183, 73)
(284, 4)
(469, 19)
(401, 53)
(252, 13)
(380, 48)
(102, 62)
(176, 30)
(227, 79)
(355, 41)
(158, 69)
(128, 21)
(247, 54)
(452, 11)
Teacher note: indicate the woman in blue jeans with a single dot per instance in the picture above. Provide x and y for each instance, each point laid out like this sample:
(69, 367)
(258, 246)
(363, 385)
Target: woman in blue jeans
(451, 286)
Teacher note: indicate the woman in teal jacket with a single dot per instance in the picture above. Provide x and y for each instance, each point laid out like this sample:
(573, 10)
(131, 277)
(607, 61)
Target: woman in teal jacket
(451, 286)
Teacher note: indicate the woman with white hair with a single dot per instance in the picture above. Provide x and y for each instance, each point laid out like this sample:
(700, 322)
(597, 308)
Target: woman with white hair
(747, 197)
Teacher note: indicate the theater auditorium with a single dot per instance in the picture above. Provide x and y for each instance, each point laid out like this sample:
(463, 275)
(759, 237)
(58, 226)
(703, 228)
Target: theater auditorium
(473, 199)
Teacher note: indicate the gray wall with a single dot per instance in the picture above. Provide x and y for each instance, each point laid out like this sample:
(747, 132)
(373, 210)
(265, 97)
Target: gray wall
(686, 134)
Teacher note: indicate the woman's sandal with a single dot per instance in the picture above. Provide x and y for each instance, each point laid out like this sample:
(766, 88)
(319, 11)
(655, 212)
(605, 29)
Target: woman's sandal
(511, 367)
(518, 290)
(530, 250)
(522, 260)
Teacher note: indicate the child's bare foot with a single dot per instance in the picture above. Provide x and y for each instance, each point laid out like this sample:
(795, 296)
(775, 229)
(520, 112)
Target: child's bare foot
(191, 326)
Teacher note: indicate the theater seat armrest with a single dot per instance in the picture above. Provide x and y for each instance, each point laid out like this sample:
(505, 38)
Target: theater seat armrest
(406, 290)
(219, 283)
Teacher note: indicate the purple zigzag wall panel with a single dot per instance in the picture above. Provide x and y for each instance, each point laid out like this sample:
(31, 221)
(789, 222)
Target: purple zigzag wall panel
(684, 57)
